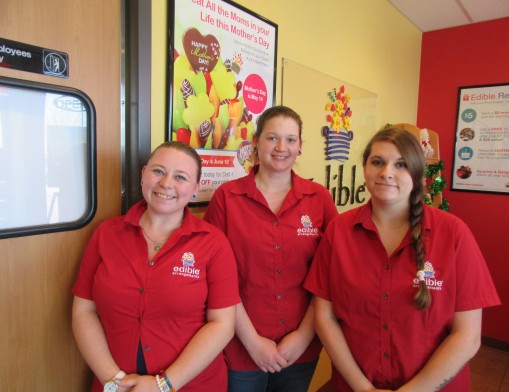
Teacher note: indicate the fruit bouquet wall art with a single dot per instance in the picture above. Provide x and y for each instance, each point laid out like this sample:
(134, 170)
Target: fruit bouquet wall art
(222, 62)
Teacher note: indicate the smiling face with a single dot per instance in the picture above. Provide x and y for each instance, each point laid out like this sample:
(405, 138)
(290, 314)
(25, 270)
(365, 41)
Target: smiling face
(169, 180)
(278, 144)
(387, 176)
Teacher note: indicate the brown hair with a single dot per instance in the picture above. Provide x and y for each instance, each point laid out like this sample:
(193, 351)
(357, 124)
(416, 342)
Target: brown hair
(185, 148)
(411, 151)
(276, 111)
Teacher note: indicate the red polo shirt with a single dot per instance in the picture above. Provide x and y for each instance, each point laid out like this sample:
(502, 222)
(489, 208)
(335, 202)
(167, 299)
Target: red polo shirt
(273, 253)
(163, 302)
(372, 294)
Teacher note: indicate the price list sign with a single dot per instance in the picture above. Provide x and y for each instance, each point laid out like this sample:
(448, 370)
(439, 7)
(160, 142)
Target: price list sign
(481, 152)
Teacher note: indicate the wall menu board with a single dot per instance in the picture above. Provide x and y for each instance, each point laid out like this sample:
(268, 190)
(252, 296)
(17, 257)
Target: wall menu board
(222, 62)
(481, 154)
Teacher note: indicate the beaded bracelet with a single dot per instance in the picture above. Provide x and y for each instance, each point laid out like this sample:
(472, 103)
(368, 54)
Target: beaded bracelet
(162, 387)
(164, 384)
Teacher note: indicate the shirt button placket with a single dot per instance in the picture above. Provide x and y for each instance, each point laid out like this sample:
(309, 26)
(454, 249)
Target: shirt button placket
(385, 320)
(278, 268)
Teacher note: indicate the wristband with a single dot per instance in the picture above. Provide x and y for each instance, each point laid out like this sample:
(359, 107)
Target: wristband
(169, 383)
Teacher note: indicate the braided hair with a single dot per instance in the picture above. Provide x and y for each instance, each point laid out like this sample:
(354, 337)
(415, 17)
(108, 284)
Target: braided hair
(411, 151)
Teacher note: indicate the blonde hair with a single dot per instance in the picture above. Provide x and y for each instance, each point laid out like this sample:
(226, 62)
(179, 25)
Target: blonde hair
(186, 149)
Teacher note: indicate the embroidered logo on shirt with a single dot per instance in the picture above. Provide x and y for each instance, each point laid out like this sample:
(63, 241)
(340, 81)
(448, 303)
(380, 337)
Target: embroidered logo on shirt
(429, 278)
(187, 268)
(429, 272)
(307, 228)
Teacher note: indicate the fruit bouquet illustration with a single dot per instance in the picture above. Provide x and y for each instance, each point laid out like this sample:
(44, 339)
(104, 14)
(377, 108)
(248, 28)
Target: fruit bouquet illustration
(208, 107)
(222, 61)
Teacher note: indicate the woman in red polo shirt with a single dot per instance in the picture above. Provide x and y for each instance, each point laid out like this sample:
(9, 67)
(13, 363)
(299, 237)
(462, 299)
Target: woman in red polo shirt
(274, 220)
(399, 286)
(156, 293)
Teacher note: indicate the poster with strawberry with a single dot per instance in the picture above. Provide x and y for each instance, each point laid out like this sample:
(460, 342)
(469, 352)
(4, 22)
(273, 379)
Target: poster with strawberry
(222, 76)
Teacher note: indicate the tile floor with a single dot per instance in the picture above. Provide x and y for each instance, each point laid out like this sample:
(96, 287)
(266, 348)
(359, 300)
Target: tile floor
(489, 371)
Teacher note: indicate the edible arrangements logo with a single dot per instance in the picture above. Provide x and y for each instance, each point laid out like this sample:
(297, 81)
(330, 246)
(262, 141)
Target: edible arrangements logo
(485, 96)
(307, 228)
(429, 278)
(187, 269)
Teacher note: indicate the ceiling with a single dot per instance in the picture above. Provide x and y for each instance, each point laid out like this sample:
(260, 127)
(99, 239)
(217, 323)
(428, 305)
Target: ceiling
(429, 15)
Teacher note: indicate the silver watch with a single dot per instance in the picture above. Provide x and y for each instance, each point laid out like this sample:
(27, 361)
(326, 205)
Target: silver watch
(111, 385)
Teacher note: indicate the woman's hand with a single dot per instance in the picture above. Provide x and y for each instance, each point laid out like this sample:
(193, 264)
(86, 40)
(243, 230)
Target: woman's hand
(265, 354)
(262, 351)
(292, 346)
(137, 383)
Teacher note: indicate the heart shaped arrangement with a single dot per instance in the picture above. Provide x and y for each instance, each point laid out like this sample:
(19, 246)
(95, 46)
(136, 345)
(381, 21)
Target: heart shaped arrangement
(202, 51)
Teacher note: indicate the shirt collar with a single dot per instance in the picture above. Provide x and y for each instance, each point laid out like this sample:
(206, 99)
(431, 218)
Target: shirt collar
(190, 223)
(426, 219)
(364, 219)
(246, 185)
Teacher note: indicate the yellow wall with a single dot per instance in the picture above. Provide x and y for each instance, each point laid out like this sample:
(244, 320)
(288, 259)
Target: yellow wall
(159, 70)
(366, 43)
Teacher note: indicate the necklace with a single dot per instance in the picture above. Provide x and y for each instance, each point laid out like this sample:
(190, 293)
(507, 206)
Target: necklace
(157, 244)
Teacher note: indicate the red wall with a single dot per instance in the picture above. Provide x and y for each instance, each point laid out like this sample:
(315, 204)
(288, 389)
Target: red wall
(471, 55)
